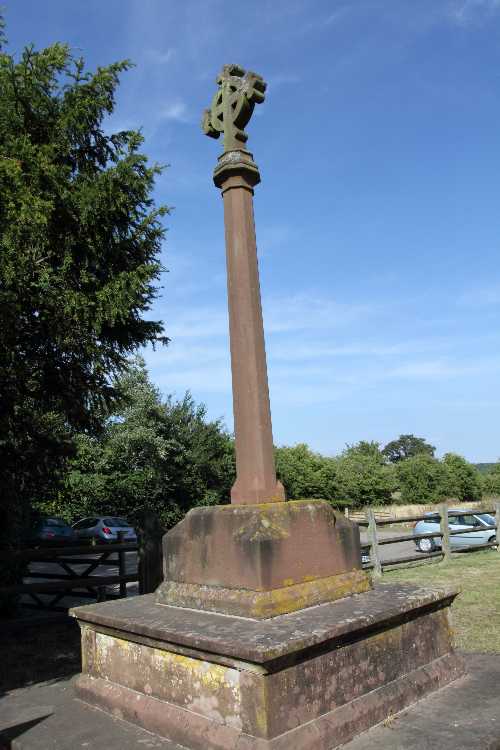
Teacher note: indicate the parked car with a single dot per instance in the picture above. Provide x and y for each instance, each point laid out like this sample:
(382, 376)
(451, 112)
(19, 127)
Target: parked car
(104, 529)
(467, 519)
(50, 531)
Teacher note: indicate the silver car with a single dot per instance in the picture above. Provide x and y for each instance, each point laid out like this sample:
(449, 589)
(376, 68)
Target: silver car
(466, 519)
(104, 529)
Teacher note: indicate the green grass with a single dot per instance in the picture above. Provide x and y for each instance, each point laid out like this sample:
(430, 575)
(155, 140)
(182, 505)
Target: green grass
(476, 611)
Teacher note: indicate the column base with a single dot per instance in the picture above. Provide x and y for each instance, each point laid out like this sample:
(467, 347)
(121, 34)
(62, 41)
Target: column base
(244, 496)
(261, 560)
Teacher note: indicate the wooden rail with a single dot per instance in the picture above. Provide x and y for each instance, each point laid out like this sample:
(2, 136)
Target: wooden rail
(64, 580)
(444, 534)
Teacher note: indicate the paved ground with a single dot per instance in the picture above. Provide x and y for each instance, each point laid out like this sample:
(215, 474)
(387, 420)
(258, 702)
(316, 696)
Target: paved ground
(462, 716)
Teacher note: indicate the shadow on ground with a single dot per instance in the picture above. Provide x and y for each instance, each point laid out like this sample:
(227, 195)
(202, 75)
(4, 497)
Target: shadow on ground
(41, 651)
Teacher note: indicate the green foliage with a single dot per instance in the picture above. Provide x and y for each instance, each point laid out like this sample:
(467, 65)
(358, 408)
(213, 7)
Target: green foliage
(305, 473)
(407, 446)
(423, 479)
(358, 477)
(79, 244)
(485, 468)
(491, 480)
(464, 479)
(157, 454)
(362, 477)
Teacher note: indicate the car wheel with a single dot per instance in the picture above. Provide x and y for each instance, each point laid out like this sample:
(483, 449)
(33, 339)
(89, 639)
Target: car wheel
(492, 540)
(426, 545)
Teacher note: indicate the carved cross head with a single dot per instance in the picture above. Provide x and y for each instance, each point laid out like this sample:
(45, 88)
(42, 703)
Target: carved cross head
(232, 105)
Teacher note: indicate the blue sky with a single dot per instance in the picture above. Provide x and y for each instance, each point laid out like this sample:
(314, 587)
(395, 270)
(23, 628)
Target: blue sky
(378, 216)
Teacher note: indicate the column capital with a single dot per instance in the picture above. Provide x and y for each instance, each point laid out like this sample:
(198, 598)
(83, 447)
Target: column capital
(236, 164)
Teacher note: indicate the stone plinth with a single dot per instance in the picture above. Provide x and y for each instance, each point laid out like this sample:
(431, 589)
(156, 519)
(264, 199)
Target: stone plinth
(261, 560)
(308, 680)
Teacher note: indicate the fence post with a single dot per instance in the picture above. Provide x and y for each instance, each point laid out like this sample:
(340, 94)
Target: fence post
(122, 572)
(372, 538)
(497, 521)
(444, 527)
(150, 552)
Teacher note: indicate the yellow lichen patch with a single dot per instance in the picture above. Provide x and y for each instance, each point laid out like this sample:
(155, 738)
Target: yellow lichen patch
(211, 689)
(299, 596)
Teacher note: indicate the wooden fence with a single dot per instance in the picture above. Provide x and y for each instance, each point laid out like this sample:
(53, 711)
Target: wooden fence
(64, 580)
(372, 523)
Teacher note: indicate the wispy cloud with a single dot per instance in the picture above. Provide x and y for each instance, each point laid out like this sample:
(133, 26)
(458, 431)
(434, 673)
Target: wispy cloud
(175, 111)
(161, 57)
(465, 12)
(444, 369)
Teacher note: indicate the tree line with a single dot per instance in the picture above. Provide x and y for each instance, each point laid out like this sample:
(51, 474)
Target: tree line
(165, 455)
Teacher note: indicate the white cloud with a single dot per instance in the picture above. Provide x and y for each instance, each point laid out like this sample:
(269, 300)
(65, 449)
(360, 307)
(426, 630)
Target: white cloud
(161, 58)
(308, 311)
(175, 111)
(442, 369)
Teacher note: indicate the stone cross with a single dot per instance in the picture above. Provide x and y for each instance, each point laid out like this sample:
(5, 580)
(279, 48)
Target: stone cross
(232, 105)
(236, 175)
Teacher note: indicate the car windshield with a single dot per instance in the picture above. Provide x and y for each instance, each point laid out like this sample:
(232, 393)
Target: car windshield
(486, 518)
(120, 523)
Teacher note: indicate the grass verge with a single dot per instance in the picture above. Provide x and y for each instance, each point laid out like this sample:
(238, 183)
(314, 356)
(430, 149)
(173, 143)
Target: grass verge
(476, 612)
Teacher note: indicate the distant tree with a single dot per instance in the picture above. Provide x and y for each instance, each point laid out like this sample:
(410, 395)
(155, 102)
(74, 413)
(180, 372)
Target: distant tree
(423, 479)
(491, 480)
(366, 448)
(154, 453)
(464, 479)
(79, 261)
(407, 446)
(485, 468)
(305, 473)
(362, 477)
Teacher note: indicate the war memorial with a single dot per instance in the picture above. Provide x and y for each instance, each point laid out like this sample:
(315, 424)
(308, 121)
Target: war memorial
(266, 633)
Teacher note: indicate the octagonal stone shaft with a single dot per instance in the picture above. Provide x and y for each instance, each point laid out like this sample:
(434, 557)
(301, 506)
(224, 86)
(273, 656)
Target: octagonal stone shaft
(255, 469)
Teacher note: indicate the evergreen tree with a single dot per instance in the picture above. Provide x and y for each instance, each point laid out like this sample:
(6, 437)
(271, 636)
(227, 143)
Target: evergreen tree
(79, 247)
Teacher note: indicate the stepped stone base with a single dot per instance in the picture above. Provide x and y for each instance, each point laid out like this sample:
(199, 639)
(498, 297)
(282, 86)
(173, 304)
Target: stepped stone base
(311, 679)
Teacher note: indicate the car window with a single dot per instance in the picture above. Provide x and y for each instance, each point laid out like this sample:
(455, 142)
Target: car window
(54, 522)
(116, 522)
(470, 520)
(487, 519)
(454, 520)
(87, 523)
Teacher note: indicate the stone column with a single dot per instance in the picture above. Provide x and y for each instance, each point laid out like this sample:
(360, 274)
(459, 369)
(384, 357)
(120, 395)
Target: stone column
(236, 175)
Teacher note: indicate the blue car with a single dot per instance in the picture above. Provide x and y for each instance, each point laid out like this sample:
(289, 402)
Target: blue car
(477, 523)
